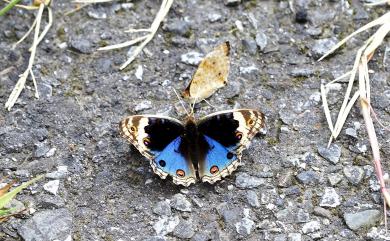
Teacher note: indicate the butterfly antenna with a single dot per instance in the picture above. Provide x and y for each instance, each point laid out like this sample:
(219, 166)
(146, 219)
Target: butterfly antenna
(210, 104)
(181, 101)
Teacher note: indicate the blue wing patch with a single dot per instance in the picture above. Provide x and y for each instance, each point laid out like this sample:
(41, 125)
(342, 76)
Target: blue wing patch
(173, 163)
(219, 162)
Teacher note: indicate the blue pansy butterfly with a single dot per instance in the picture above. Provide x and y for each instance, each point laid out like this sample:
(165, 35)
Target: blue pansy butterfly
(205, 150)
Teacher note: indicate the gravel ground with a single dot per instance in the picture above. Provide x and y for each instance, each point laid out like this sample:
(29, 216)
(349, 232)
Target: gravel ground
(291, 187)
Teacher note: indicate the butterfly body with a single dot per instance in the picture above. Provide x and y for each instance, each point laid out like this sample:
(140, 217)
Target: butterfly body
(205, 150)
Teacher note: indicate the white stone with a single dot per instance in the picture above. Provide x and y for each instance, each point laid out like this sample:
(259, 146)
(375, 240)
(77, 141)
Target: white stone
(330, 198)
(52, 186)
(139, 72)
(166, 225)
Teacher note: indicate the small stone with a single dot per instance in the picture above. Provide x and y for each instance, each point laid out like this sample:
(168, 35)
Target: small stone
(41, 149)
(249, 70)
(230, 215)
(180, 202)
(311, 227)
(184, 230)
(250, 45)
(178, 26)
(293, 190)
(330, 198)
(261, 40)
(81, 45)
(332, 154)
(322, 212)
(47, 225)
(48, 201)
(244, 181)
(294, 237)
(45, 90)
(354, 174)
(166, 225)
(334, 178)
(301, 72)
(246, 225)
(51, 152)
(96, 14)
(286, 179)
(143, 105)
(252, 199)
(139, 72)
(239, 25)
(52, 186)
(62, 172)
(308, 177)
(351, 132)
(214, 17)
(232, 3)
(322, 46)
(191, 58)
(162, 208)
(302, 216)
(364, 219)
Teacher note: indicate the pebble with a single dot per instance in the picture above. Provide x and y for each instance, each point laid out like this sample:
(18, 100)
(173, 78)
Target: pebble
(311, 227)
(301, 72)
(46, 225)
(81, 45)
(52, 186)
(250, 45)
(246, 225)
(261, 40)
(41, 149)
(191, 58)
(95, 14)
(354, 174)
(294, 237)
(62, 172)
(184, 230)
(139, 72)
(286, 179)
(245, 181)
(332, 154)
(322, 212)
(330, 198)
(363, 219)
(230, 215)
(162, 208)
(252, 199)
(214, 17)
(308, 177)
(178, 26)
(166, 225)
(334, 178)
(45, 90)
(351, 132)
(143, 105)
(232, 3)
(180, 202)
(48, 201)
(321, 46)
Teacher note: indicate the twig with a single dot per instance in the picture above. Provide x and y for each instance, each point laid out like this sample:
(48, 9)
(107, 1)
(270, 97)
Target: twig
(163, 11)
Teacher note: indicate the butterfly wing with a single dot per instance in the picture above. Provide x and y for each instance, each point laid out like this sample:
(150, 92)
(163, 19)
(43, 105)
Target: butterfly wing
(227, 133)
(211, 74)
(158, 139)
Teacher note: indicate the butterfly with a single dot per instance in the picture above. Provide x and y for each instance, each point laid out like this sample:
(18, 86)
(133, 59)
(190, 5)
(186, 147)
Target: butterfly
(211, 75)
(205, 150)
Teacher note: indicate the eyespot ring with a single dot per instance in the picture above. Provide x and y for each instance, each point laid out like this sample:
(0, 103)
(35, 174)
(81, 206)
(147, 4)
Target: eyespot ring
(180, 173)
(251, 122)
(146, 141)
(162, 163)
(238, 135)
(229, 155)
(133, 129)
(214, 170)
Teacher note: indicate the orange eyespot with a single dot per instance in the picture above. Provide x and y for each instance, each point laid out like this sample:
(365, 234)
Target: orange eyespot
(214, 170)
(146, 141)
(180, 173)
(238, 135)
(133, 129)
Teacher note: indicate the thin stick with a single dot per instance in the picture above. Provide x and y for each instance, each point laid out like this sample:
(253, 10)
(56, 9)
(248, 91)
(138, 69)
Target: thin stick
(326, 108)
(26, 34)
(122, 45)
(22, 80)
(35, 84)
(181, 102)
(47, 27)
(164, 9)
(138, 30)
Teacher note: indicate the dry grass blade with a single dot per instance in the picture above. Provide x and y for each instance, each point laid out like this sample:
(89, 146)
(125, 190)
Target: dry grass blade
(363, 56)
(380, 2)
(326, 108)
(163, 11)
(5, 189)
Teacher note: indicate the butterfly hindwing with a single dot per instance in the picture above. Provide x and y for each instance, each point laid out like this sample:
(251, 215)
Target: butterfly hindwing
(158, 139)
(212, 74)
(228, 133)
